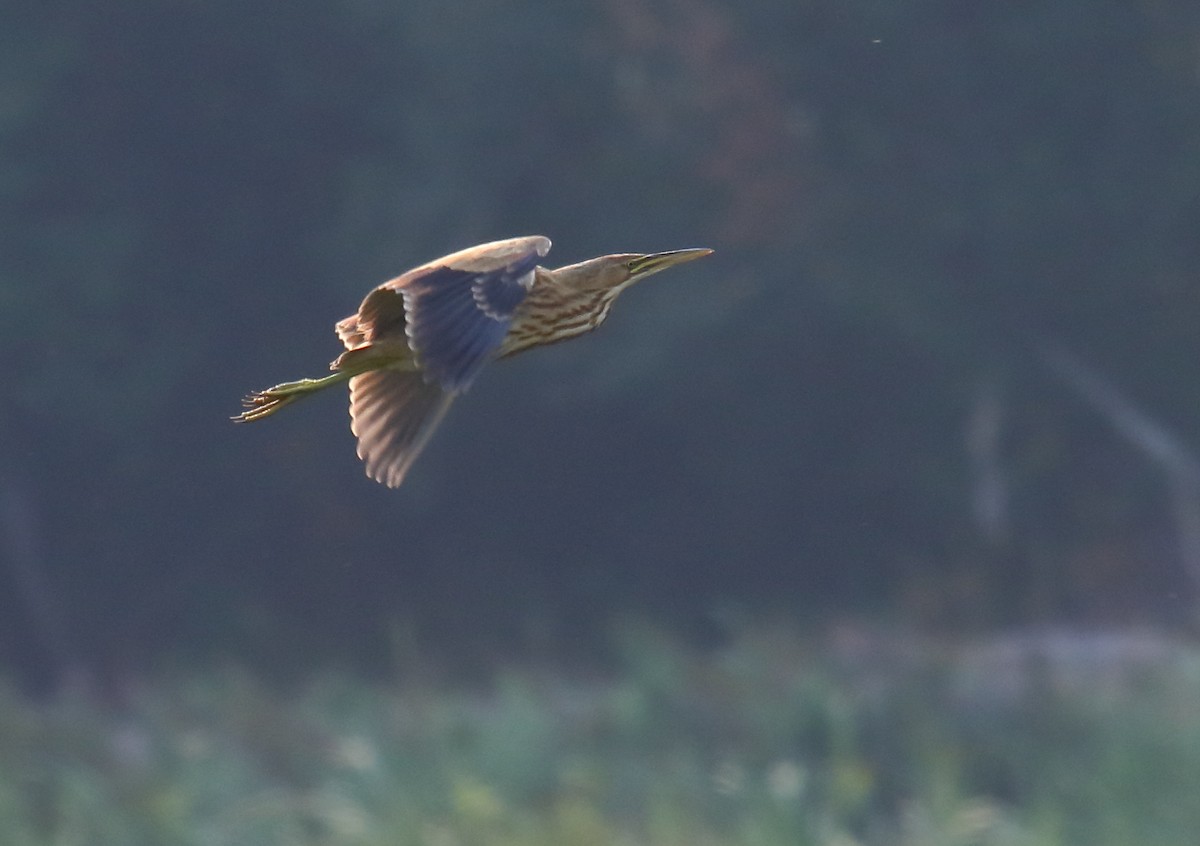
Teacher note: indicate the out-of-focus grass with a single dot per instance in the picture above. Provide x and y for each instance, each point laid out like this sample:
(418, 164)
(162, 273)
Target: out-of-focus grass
(853, 738)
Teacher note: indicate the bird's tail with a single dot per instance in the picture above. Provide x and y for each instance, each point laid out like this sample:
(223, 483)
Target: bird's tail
(262, 404)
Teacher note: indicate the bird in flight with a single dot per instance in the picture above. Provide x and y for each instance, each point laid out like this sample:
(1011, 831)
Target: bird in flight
(419, 340)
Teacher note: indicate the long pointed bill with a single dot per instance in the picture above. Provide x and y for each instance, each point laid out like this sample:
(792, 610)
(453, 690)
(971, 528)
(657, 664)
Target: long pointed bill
(654, 262)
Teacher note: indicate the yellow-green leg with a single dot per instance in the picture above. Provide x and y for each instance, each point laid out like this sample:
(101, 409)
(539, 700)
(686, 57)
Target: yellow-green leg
(265, 403)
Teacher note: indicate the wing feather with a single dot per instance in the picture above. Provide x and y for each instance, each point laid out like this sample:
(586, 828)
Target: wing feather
(393, 414)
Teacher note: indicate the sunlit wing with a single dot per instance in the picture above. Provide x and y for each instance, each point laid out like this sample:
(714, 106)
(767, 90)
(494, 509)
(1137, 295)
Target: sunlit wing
(394, 413)
(453, 315)
(457, 319)
(455, 311)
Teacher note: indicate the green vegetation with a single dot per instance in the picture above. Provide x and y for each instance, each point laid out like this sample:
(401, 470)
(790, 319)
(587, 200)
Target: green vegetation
(774, 739)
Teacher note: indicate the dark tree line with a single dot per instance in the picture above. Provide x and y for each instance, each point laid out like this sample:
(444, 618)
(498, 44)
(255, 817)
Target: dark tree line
(859, 406)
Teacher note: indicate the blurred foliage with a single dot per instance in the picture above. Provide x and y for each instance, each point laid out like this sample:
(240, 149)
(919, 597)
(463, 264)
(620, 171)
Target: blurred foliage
(861, 738)
(906, 200)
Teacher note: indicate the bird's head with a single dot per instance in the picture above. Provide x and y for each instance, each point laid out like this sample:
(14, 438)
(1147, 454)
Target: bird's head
(622, 270)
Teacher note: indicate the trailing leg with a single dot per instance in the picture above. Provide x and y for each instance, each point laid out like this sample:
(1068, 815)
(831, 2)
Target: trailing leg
(262, 404)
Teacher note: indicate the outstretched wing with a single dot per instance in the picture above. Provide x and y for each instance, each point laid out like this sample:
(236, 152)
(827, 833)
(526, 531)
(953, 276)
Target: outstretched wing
(455, 311)
(393, 413)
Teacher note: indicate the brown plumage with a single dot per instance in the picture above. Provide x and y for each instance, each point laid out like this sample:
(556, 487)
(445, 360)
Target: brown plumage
(419, 340)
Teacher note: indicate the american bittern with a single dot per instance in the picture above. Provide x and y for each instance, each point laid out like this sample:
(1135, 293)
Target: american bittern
(419, 340)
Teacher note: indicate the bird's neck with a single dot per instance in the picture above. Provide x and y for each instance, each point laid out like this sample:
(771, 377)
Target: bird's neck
(554, 311)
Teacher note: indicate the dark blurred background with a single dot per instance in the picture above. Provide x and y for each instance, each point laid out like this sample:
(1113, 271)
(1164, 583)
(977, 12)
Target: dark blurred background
(940, 371)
